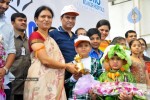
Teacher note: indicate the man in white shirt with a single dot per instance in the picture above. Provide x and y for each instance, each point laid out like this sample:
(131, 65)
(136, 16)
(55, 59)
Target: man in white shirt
(7, 35)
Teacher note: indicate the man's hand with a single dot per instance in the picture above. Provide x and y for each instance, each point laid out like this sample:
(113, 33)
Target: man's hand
(2, 72)
(1, 84)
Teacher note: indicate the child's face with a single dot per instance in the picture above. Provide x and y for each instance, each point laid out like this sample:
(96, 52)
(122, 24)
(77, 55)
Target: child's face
(122, 42)
(83, 49)
(115, 62)
(143, 46)
(95, 41)
(136, 47)
(81, 32)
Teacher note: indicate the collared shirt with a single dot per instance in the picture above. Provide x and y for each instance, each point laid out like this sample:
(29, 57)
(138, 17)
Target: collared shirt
(21, 63)
(65, 43)
(94, 54)
(7, 34)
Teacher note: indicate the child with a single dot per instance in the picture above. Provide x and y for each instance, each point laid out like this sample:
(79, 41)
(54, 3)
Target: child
(95, 38)
(118, 63)
(83, 47)
(80, 31)
(138, 68)
(119, 40)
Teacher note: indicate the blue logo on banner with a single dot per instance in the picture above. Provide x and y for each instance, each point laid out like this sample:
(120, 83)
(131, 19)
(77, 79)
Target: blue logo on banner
(96, 4)
(134, 16)
(31, 27)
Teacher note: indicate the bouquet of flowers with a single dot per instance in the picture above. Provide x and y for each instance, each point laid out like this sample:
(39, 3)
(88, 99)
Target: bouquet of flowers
(2, 95)
(87, 82)
(2, 63)
(115, 88)
(2, 55)
(84, 84)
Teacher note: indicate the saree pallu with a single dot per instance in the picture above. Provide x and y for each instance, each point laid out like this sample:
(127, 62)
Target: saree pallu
(45, 83)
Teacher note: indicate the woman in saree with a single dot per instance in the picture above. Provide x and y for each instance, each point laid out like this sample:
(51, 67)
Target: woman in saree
(45, 80)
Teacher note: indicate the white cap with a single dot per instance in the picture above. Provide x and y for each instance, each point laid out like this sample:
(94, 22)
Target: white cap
(80, 39)
(69, 9)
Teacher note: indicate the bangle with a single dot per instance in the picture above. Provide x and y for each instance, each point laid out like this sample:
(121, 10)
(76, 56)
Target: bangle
(6, 69)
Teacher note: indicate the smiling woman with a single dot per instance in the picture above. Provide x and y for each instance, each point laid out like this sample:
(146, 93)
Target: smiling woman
(48, 64)
(104, 27)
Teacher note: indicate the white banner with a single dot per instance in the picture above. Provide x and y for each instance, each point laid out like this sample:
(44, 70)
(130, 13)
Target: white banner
(91, 11)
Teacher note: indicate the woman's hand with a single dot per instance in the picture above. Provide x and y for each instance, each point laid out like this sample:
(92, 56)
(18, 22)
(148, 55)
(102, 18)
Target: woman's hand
(126, 96)
(72, 68)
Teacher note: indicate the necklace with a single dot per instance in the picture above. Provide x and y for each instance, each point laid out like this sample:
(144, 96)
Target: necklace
(113, 74)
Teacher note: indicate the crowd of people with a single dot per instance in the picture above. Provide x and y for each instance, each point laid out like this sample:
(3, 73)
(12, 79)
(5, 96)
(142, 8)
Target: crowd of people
(42, 67)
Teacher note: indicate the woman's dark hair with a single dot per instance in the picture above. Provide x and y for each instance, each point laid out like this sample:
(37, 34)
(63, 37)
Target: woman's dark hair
(131, 42)
(117, 40)
(93, 31)
(143, 41)
(103, 22)
(40, 9)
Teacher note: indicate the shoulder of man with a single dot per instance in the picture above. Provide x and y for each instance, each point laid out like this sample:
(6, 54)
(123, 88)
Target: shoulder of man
(53, 33)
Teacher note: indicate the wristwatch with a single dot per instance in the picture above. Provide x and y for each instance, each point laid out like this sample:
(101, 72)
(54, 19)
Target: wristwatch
(6, 69)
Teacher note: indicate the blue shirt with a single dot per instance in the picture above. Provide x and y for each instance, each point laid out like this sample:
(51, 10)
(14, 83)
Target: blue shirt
(94, 54)
(65, 43)
(7, 33)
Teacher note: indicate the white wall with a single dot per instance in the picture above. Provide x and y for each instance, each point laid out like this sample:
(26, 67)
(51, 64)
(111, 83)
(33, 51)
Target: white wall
(145, 21)
(118, 18)
(119, 22)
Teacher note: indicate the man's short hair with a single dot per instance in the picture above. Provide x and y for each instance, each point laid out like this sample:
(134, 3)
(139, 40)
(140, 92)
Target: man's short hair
(15, 15)
(129, 31)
